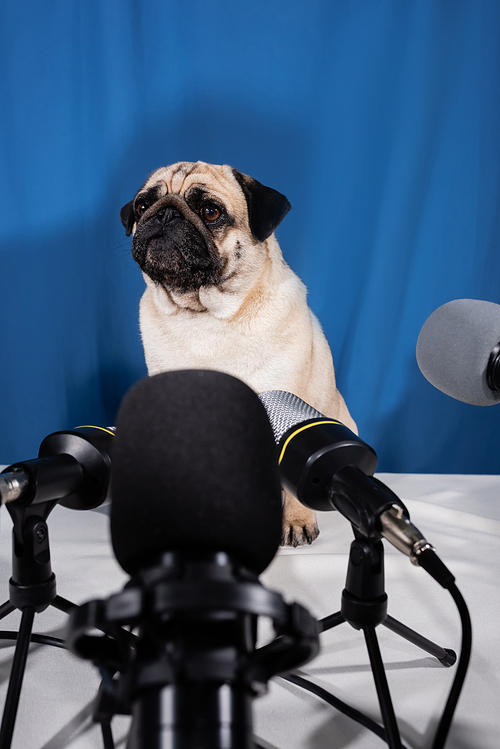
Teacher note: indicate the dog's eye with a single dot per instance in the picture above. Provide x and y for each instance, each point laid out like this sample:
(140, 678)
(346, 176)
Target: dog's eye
(141, 208)
(210, 212)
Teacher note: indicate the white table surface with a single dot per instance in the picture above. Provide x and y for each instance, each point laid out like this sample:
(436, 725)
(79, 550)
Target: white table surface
(460, 515)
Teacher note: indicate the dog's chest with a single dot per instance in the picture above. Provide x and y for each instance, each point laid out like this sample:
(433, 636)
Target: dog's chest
(200, 341)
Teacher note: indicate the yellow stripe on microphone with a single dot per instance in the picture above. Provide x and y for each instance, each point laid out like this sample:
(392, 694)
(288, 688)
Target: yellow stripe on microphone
(297, 431)
(91, 426)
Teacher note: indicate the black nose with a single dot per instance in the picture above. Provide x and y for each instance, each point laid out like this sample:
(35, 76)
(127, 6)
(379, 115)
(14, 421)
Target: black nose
(168, 215)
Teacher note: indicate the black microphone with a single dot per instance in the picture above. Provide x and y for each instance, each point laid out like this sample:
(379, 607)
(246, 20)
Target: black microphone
(195, 518)
(328, 467)
(194, 469)
(73, 467)
(458, 351)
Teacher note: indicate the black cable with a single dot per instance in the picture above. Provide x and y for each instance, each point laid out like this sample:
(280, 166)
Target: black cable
(433, 565)
(107, 735)
(343, 707)
(39, 639)
(462, 666)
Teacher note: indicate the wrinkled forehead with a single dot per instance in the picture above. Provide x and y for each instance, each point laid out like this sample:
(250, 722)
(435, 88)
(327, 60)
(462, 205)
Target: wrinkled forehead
(216, 180)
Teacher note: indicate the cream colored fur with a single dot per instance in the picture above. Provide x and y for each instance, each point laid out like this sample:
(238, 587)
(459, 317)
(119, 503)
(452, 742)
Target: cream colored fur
(256, 325)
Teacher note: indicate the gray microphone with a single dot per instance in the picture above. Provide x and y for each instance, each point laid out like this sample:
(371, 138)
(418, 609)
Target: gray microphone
(458, 351)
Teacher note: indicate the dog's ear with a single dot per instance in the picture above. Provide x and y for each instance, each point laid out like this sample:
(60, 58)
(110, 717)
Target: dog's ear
(266, 207)
(128, 217)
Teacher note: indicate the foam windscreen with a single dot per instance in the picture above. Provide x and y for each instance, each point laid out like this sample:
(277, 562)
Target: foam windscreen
(194, 469)
(454, 348)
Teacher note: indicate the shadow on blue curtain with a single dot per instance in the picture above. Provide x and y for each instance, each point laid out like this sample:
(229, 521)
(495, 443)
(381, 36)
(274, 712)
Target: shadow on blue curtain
(379, 121)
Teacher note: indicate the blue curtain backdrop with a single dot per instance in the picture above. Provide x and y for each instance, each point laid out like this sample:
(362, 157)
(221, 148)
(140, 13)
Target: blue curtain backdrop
(380, 121)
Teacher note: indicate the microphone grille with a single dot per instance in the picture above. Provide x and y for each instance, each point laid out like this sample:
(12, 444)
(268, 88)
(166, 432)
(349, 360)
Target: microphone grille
(286, 410)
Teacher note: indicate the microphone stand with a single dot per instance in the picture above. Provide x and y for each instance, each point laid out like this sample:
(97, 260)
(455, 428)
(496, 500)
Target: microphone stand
(190, 675)
(32, 589)
(364, 600)
(72, 469)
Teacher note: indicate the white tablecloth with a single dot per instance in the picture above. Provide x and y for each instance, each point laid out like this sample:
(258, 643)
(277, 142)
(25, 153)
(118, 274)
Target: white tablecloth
(460, 515)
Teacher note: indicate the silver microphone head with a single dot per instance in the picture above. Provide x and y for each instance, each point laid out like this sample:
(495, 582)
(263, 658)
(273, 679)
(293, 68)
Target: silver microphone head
(286, 410)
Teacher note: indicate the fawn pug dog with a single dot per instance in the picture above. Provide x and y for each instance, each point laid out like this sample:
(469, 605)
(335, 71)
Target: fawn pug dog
(219, 294)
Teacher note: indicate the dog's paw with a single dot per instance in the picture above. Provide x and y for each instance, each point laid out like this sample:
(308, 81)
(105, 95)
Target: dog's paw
(299, 535)
(299, 523)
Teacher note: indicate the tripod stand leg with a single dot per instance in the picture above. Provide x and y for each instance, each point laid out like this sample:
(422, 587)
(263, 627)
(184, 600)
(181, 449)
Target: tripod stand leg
(331, 621)
(6, 608)
(62, 604)
(444, 655)
(16, 677)
(384, 697)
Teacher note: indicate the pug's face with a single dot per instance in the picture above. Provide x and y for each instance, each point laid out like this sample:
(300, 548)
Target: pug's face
(195, 224)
